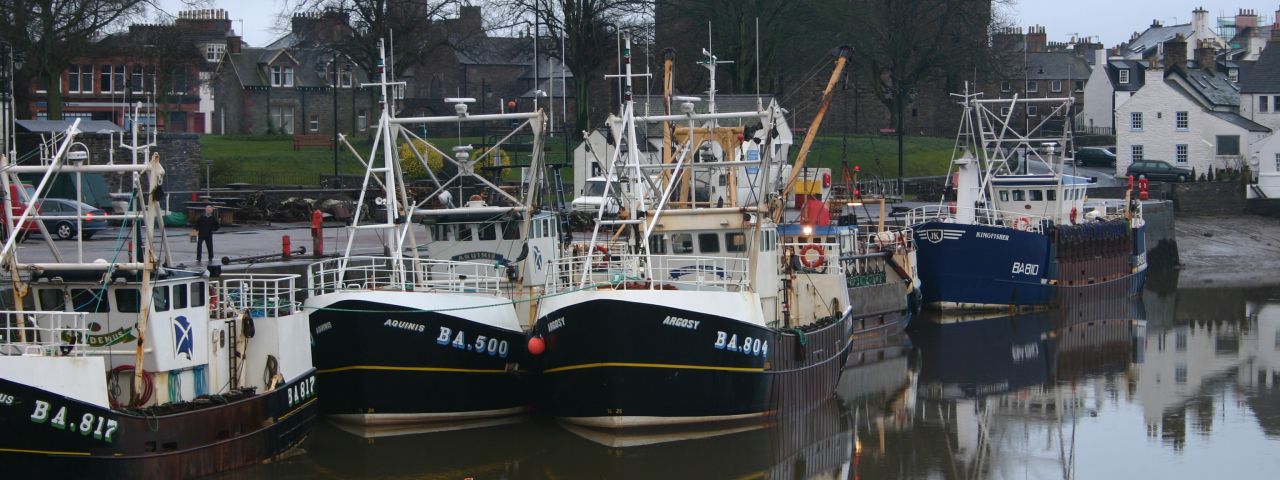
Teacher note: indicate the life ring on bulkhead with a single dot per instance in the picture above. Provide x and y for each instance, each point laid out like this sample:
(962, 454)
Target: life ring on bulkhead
(1023, 223)
(815, 263)
(603, 262)
(1074, 214)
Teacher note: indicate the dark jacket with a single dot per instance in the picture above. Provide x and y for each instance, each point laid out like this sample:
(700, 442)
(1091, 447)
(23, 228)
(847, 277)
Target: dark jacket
(206, 224)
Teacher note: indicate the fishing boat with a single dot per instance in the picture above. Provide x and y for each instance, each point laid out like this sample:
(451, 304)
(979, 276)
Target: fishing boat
(128, 367)
(1015, 238)
(430, 332)
(690, 309)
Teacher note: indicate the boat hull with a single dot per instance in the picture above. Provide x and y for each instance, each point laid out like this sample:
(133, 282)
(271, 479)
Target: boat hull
(976, 267)
(211, 438)
(386, 361)
(631, 359)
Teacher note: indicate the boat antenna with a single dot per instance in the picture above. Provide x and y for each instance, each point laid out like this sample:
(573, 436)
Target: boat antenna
(759, 101)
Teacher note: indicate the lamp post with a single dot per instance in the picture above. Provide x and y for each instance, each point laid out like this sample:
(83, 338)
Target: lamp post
(333, 87)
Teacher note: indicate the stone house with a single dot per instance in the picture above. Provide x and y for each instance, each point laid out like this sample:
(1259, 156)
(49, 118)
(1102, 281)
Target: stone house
(1189, 117)
(289, 91)
(141, 64)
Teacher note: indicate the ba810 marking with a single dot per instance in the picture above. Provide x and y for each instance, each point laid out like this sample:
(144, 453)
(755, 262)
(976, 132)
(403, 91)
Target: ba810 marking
(1020, 268)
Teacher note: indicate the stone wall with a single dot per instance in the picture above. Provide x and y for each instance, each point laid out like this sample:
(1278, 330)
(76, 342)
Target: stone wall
(179, 153)
(1208, 198)
(1162, 241)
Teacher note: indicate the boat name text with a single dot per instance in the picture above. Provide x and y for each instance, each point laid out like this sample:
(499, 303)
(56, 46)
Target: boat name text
(302, 390)
(6, 399)
(324, 327)
(1020, 268)
(104, 430)
(555, 324)
(410, 326)
(681, 322)
(993, 236)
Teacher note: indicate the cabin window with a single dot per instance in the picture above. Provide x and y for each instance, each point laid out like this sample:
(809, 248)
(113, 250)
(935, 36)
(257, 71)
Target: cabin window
(1019, 196)
(735, 242)
(1037, 195)
(658, 244)
(709, 243)
(197, 294)
(537, 230)
(128, 300)
(681, 243)
(440, 233)
(91, 301)
(179, 296)
(510, 230)
(1004, 195)
(488, 232)
(464, 233)
(51, 299)
(1052, 194)
(160, 298)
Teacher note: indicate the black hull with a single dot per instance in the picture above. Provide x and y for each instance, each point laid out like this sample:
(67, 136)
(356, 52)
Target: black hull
(211, 439)
(611, 363)
(400, 372)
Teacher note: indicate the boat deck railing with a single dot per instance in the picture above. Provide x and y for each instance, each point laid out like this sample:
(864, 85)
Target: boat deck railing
(385, 273)
(822, 257)
(41, 333)
(981, 216)
(262, 295)
(629, 271)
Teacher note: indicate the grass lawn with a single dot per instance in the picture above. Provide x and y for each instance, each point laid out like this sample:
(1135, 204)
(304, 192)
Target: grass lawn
(270, 159)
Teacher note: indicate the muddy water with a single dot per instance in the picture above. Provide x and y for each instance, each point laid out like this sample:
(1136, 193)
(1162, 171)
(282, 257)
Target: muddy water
(1184, 383)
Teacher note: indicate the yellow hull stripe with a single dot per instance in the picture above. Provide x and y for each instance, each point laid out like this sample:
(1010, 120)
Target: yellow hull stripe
(411, 369)
(297, 409)
(651, 365)
(43, 452)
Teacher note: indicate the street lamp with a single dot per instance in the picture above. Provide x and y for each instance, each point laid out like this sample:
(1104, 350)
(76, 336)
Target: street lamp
(333, 77)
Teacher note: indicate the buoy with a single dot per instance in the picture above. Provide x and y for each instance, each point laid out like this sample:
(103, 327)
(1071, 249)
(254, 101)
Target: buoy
(537, 346)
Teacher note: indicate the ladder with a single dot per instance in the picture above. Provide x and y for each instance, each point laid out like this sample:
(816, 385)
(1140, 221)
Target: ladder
(562, 211)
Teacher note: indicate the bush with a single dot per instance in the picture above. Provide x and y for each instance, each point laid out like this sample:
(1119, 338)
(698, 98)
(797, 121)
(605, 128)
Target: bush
(412, 167)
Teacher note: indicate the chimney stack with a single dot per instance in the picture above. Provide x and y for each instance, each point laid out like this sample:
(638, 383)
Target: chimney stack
(1037, 39)
(233, 44)
(1206, 55)
(1246, 18)
(1175, 52)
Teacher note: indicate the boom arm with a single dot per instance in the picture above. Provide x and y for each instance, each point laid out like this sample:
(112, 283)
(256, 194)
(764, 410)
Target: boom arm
(842, 58)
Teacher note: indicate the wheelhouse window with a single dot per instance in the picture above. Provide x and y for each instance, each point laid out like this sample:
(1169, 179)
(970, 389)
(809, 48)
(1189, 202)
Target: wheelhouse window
(658, 244)
(464, 233)
(1004, 195)
(709, 243)
(488, 231)
(682, 243)
(1019, 196)
(128, 300)
(511, 230)
(179, 296)
(197, 294)
(1052, 195)
(160, 298)
(1037, 195)
(735, 242)
(52, 299)
(91, 301)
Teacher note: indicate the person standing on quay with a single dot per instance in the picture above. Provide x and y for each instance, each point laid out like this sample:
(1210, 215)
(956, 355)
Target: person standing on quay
(205, 226)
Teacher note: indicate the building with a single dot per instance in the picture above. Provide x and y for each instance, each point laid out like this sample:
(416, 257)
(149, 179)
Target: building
(1246, 34)
(164, 66)
(1259, 99)
(1033, 67)
(1186, 116)
(289, 91)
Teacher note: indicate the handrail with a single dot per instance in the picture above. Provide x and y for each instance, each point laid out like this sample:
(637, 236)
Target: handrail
(981, 216)
(377, 273)
(628, 270)
(48, 333)
(262, 295)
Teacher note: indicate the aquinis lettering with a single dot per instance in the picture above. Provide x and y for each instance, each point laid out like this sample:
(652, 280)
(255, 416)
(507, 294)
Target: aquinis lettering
(412, 327)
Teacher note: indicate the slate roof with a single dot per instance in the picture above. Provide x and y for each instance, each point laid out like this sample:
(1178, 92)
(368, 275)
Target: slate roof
(1239, 121)
(59, 126)
(1264, 77)
(1152, 38)
(1056, 66)
(1136, 75)
(1214, 86)
(248, 66)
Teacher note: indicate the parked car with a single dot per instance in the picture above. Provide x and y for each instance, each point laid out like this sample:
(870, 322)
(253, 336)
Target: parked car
(1095, 156)
(65, 228)
(19, 206)
(1158, 170)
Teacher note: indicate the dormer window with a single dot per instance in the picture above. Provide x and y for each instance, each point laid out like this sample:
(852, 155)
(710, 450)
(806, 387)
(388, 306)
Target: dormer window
(281, 76)
(213, 52)
(1124, 76)
(1234, 75)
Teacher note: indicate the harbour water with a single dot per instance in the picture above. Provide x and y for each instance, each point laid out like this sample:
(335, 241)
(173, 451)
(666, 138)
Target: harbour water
(1182, 384)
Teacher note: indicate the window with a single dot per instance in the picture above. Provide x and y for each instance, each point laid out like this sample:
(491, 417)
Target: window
(135, 80)
(1037, 195)
(1124, 76)
(118, 80)
(197, 294)
(1182, 120)
(1032, 110)
(511, 230)
(1055, 86)
(658, 244)
(1262, 103)
(1052, 195)
(1004, 111)
(1278, 162)
(282, 118)
(1180, 153)
(178, 82)
(1228, 144)
(1234, 75)
(160, 298)
(361, 122)
(281, 76)
(1019, 196)
(1275, 102)
(105, 81)
(735, 242)
(1004, 195)
(681, 243)
(73, 79)
(346, 75)
(52, 299)
(213, 52)
(1079, 87)
(314, 124)
(709, 243)
(1136, 152)
(1005, 86)
(179, 296)
(1135, 121)
(128, 300)
(1032, 86)
(86, 78)
(288, 76)
(464, 233)
(488, 232)
(91, 301)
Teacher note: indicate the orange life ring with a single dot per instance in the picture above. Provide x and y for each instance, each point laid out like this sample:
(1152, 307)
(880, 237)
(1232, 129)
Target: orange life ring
(1074, 213)
(804, 256)
(1023, 223)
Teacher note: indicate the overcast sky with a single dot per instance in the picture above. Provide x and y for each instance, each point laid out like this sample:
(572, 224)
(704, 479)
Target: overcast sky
(1111, 21)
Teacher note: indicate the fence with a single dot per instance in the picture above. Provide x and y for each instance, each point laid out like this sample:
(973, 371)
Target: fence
(35, 333)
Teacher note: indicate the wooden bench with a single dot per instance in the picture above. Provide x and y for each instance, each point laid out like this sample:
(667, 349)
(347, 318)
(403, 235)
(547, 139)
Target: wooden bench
(303, 141)
(888, 131)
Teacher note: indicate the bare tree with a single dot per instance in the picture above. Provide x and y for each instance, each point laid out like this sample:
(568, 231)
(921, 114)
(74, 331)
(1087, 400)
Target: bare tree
(51, 33)
(589, 29)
